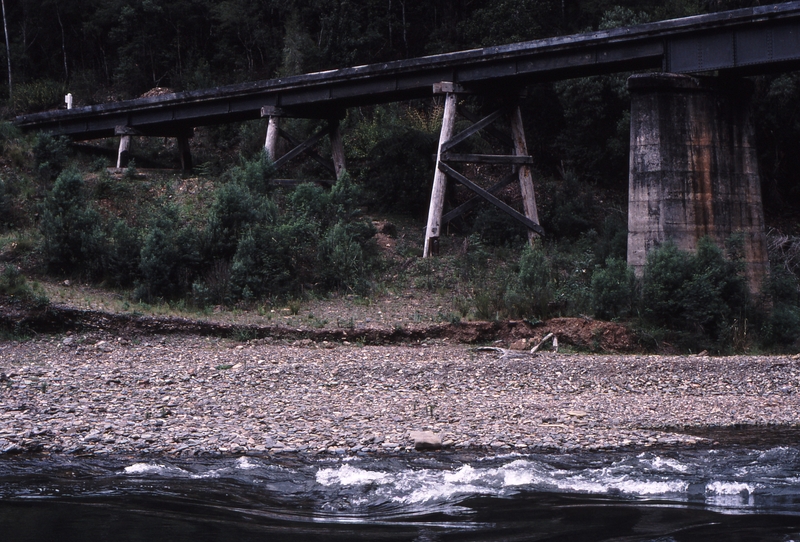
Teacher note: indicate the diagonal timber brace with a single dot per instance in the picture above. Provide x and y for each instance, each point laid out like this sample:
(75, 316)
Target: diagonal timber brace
(473, 202)
(486, 195)
(274, 132)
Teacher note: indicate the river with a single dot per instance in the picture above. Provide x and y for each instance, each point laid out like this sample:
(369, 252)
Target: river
(729, 492)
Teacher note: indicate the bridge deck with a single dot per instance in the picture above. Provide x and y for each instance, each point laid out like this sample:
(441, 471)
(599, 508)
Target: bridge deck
(741, 41)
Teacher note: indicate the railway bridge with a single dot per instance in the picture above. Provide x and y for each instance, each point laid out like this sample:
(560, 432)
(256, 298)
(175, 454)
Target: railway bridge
(693, 167)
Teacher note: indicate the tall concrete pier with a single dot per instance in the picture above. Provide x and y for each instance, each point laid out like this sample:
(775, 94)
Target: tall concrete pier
(693, 168)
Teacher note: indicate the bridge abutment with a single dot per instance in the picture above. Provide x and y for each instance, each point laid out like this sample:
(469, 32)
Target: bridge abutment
(693, 168)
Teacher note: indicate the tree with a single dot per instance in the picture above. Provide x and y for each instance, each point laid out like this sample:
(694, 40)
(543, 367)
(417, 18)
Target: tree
(8, 47)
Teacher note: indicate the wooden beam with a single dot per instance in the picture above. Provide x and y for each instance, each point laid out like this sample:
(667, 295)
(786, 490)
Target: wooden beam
(525, 177)
(453, 141)
(337, 147)
(448, 87)
(272, 111)
(450, 172)
(502, 137)
(310, 152)
(185, 152)
(124, 153)
(126, 131)
(303, 147)
(432, 230)
(271, 143)
(473, 202)
(487, 158)
(308, 112)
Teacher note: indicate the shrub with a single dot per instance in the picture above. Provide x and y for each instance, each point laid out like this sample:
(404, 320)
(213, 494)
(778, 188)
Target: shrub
(274, 260)
(612, 241)
(13, 146)
(782, 326)
(50, 154)
(326, 207)
(613, 289)
(71, 228)
(533, 290)
(233, 210)
(572, 264)
(254, 174)
(37, 96)
(169, 258)
(5, 205)
(474, 259)
(401, 170)
(700, 294)
(566, 209)
(498, 229)
(123, 247)
(345, 260)
(215, 286)
(14, 285)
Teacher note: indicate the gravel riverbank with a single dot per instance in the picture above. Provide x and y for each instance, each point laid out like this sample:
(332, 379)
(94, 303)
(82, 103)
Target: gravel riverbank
(187, 396)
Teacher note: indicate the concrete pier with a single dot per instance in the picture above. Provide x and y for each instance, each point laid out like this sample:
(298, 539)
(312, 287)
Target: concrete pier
(693, 168)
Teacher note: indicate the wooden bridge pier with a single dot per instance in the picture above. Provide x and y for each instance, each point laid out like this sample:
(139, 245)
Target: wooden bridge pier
(125, 134)
(336, 166)
(519, 160)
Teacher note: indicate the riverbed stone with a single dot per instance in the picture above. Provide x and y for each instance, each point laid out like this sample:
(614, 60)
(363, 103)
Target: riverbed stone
(426, 440)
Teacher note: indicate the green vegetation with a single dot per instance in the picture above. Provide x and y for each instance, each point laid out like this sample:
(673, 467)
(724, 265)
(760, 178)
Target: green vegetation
(230, 238)
(15, 286)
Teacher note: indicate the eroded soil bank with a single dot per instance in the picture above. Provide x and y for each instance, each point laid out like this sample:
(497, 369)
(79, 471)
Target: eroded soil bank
(581, 333)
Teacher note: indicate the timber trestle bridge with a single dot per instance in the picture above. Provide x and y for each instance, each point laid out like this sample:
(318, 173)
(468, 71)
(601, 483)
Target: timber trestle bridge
(732, 43)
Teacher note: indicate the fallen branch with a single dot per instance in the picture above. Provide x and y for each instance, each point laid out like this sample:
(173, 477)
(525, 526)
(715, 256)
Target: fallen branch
(505, 353)
(546, 338)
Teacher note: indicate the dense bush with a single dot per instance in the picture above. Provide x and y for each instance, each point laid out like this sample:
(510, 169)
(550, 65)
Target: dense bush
(121, 255)
(71, 227)
(400, 171)
(567, 209)
(613, 289)
(14, 285)
(781, 327)
(6, 201)
(531, 294)
(169, 257)
(275, 260)
(233, 210)
(346, 257)
(259, 243)
(498, 229)
(50, 154)
(37, 96)
(700, 295)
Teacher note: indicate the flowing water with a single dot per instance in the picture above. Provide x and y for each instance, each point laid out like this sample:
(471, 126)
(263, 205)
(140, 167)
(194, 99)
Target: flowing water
(728, 493)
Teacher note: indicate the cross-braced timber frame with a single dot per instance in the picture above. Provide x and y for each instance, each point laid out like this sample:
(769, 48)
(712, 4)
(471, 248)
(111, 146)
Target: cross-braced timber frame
(336, 166)
(445, 158)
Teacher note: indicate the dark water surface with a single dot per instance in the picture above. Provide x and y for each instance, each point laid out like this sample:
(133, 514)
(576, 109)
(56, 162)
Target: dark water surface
(731, 493)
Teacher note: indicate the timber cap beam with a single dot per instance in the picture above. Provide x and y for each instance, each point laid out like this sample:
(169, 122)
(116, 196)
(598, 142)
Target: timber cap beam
(331, 113)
